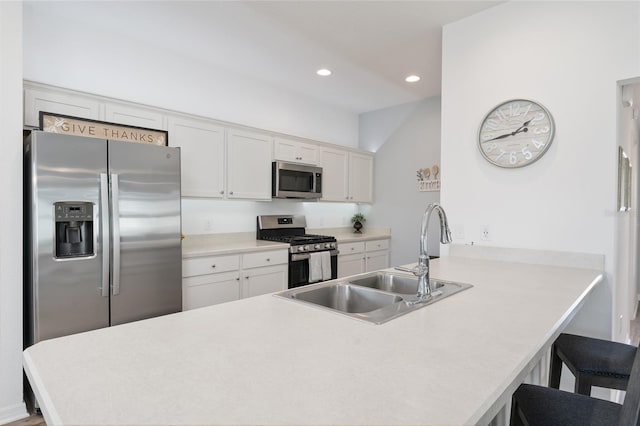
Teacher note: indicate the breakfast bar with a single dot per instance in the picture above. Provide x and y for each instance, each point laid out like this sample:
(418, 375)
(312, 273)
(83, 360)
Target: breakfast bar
(271, 361)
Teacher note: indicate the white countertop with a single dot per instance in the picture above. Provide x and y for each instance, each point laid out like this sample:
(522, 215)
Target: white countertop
(245, 242)
(219, 244)
(266, 360)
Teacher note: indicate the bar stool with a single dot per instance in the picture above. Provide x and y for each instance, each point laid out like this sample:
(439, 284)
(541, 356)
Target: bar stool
(593, 362)
(533, 405)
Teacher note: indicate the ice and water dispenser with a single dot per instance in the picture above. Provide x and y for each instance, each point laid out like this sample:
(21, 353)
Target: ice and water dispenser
(74, 229)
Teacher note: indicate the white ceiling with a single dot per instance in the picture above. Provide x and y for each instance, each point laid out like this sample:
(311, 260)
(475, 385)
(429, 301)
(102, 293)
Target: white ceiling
(371, 46)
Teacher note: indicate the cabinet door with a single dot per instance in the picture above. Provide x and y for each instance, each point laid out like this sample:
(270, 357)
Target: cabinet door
(294, 151)
(249, 157)
(202, 156)
(134, 116)
(205, 290)
(257, 281)
(377, 260)
(350, 264)
(360, 177)
(57, 102)
(335, 166)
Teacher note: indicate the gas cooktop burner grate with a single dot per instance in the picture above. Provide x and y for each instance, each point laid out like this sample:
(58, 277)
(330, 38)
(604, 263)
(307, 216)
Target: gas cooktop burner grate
(300, 239)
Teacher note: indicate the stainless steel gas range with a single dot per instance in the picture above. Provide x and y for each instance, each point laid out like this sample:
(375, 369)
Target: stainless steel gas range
(312, 258)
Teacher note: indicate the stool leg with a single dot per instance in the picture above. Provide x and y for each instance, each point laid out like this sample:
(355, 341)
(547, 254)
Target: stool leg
(555, 369)
(583, 385)
(515, 419)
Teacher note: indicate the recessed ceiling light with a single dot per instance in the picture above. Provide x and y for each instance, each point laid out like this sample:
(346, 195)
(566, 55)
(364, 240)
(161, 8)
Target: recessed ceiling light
(412, 79)
(324, 72)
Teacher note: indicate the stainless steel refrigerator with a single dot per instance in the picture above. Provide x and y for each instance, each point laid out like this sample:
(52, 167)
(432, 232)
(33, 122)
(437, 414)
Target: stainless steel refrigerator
(102, 233)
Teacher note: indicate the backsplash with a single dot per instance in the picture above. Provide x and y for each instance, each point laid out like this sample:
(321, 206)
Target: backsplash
(205, 216)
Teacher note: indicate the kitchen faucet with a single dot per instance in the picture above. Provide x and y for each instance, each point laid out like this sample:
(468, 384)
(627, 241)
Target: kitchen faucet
(422, 268)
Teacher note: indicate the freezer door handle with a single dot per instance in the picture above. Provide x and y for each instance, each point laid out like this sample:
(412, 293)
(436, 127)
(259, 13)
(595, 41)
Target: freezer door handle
(104, 232)
(115, 233)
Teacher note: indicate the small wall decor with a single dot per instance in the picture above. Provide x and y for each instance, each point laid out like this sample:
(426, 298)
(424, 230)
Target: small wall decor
(64, 124)
(428, 180)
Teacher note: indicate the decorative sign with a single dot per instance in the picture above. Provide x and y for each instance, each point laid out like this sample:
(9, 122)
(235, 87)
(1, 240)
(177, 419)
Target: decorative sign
(425, 183)
(64, 124)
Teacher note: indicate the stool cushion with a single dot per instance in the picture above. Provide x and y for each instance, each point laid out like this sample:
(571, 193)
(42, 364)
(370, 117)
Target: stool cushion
(596, 356)
(546, 406)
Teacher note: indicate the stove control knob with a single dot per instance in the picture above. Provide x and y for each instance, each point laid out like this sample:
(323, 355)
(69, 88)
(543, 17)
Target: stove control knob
(302, 248)
(317, 246)
(327, 245)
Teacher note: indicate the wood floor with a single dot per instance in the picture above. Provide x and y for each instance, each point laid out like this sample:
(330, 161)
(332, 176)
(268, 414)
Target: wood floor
(33, 420)
(36, 420)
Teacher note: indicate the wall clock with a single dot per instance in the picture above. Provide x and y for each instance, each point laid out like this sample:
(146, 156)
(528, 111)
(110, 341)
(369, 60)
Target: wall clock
(515, 133)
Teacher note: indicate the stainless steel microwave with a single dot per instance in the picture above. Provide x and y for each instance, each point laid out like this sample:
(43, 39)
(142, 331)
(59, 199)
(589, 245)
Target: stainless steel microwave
(290, 180)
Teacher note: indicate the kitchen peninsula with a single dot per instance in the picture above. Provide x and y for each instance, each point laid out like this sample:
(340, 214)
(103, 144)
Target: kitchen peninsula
(267, 360)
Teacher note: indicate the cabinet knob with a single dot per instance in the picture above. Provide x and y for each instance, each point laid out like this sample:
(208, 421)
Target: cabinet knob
(221, 192)
(352, 248)
(268, 260)
(213, 266)
(230, 192)
(246, 278)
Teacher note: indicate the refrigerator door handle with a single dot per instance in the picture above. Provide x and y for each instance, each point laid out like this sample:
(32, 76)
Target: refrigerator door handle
(115, 232)
(104, 232)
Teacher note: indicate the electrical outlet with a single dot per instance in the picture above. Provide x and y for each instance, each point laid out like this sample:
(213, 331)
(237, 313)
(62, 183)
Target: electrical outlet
(485, 233)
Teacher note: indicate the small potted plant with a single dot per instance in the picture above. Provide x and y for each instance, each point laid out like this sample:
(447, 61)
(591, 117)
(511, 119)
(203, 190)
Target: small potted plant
(357, 220)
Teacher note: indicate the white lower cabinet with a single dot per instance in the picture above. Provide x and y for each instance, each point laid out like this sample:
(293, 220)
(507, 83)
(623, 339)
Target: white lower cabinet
(268, 279)
(210, 280)
(211, 289)
(356, 258)
(376, 255)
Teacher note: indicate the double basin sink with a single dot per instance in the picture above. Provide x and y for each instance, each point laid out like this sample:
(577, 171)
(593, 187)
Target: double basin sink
(375, 297)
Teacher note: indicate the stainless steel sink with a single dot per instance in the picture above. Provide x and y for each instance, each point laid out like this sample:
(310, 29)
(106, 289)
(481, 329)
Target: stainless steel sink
(376, 297)
(393, 283)
(348, 298)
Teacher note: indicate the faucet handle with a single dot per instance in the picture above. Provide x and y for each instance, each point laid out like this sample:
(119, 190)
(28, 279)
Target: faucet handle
(403, 269)
(419, 270)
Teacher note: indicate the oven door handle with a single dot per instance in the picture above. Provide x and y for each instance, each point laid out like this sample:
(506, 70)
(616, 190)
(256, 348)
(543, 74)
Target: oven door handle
(305, 256)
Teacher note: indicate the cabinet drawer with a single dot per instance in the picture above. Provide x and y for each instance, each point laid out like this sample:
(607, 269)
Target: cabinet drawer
(350, 248)
(210, 265)
(377, 245)
(265, 258)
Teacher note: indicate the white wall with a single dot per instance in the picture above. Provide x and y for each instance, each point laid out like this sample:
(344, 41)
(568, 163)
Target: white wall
(568, 56)
(94, 59)
(406, 138)
(11, 405)
(202, 216)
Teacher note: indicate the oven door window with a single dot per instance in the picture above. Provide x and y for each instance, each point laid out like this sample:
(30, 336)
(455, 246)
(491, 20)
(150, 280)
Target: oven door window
(298, 273)
(296, 181)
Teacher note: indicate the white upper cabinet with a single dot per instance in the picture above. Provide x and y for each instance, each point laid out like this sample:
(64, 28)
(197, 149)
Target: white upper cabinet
(249, 156)
(360, 178)
(59, 102)
(202, 154)
(346, 176)
(295, 151)
(335, 174)
(218, 160)
(138, 116)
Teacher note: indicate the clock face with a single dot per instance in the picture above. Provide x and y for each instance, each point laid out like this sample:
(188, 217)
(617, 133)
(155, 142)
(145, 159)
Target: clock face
(515, 133)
